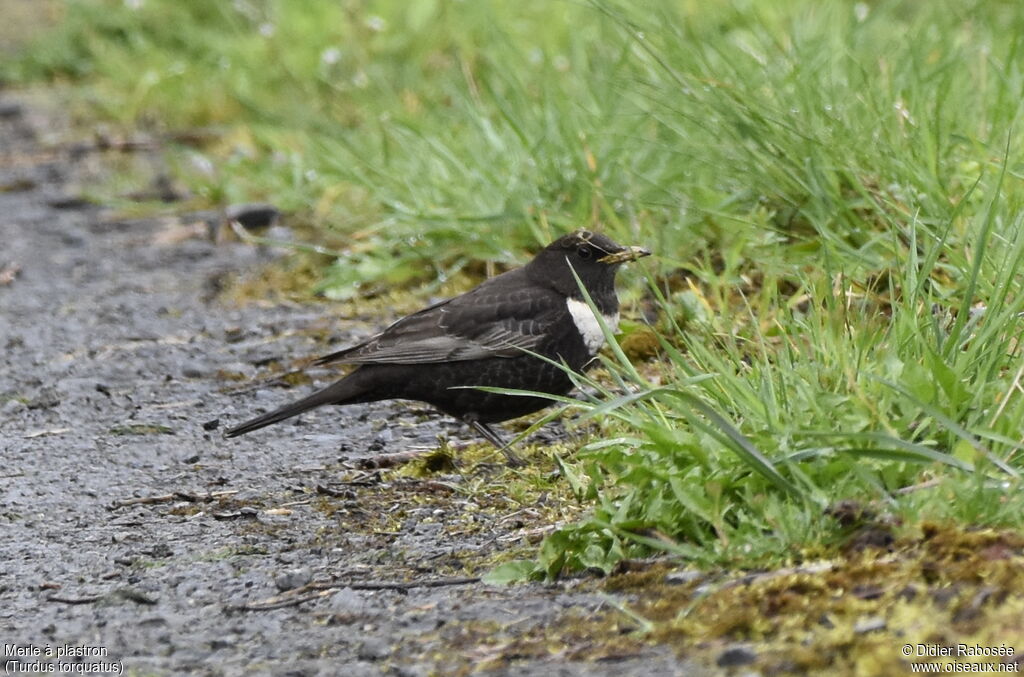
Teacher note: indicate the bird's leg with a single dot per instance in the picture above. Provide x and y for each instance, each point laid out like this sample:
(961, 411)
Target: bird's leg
(493, 437)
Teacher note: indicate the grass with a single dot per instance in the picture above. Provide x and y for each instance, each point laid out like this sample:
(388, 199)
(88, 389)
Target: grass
(833, 191)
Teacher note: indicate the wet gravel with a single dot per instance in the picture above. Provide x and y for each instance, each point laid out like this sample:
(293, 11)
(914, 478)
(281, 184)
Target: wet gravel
(132, 531)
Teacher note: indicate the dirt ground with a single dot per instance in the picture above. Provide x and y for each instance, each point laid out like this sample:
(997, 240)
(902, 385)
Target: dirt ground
(133, 532)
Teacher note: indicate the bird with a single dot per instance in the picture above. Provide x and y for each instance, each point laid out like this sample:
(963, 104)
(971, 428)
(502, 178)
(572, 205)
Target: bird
(519, 330)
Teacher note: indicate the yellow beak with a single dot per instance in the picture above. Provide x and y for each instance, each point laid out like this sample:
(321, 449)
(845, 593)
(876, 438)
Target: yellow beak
(628, 254)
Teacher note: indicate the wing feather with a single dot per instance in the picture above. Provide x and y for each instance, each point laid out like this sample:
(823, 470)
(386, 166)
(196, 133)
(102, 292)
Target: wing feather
(500, 318)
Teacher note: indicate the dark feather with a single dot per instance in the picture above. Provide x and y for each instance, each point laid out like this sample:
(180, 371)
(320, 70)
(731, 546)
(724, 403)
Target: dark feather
(500, 318)
(338, 392)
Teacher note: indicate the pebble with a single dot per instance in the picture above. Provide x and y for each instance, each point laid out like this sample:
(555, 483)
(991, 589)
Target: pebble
(870, 624)
(736, 655)
(46, 397)
(373, 649)
(348, 601)
(293, 578)
(683, 577)
(159, 551)
(192, 371)
(10, 110)
(255, 215)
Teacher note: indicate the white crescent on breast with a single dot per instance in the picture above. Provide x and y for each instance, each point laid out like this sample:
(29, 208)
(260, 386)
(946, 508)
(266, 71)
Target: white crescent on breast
(588, 326)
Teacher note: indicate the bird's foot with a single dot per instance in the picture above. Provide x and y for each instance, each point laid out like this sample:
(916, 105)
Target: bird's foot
(512, 460)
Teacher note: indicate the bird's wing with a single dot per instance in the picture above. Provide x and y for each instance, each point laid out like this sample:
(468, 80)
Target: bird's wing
(490, 321)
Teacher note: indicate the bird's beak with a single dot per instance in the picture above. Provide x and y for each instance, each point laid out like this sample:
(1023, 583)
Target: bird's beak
(623, 255)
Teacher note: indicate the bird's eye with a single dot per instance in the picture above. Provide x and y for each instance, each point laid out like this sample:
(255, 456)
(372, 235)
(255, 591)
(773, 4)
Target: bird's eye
(584, 252)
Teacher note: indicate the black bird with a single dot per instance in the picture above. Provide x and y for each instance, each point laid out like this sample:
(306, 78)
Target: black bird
(489, 336)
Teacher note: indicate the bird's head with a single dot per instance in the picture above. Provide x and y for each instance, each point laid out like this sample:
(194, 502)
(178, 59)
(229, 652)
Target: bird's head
(594, 257)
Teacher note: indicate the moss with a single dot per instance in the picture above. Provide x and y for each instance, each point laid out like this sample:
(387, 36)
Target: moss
(851, 615)
(288, 278)
(641, 344)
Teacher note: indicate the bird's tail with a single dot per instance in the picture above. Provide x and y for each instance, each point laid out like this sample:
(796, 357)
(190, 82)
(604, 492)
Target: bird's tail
(346, 390)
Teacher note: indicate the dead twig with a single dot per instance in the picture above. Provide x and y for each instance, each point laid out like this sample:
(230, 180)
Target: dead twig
(41, 433)
(174, 496)
(366, 479)
(275, 603)
(437, 486)
(128, 594)
(8, 273)
(318, 589)
(928, 484)
(91, 599)
(390, 460)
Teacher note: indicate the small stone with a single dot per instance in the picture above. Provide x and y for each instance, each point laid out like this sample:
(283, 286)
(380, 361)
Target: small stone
(870, 537)
(943, 596)
(254, 215)
(234, 334)
(46, 397)
(908, 593)
(870, 624)
(867, 591)
(191, 371)
(683, 577)
(10, 110)
(159, 551)
(349, 603)
(735, 656)
(406, 671)
(427, 528)
(293, 578)
(70, 202)
(373, 649)
(246, 512)
(850, 513)
(134, 595)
